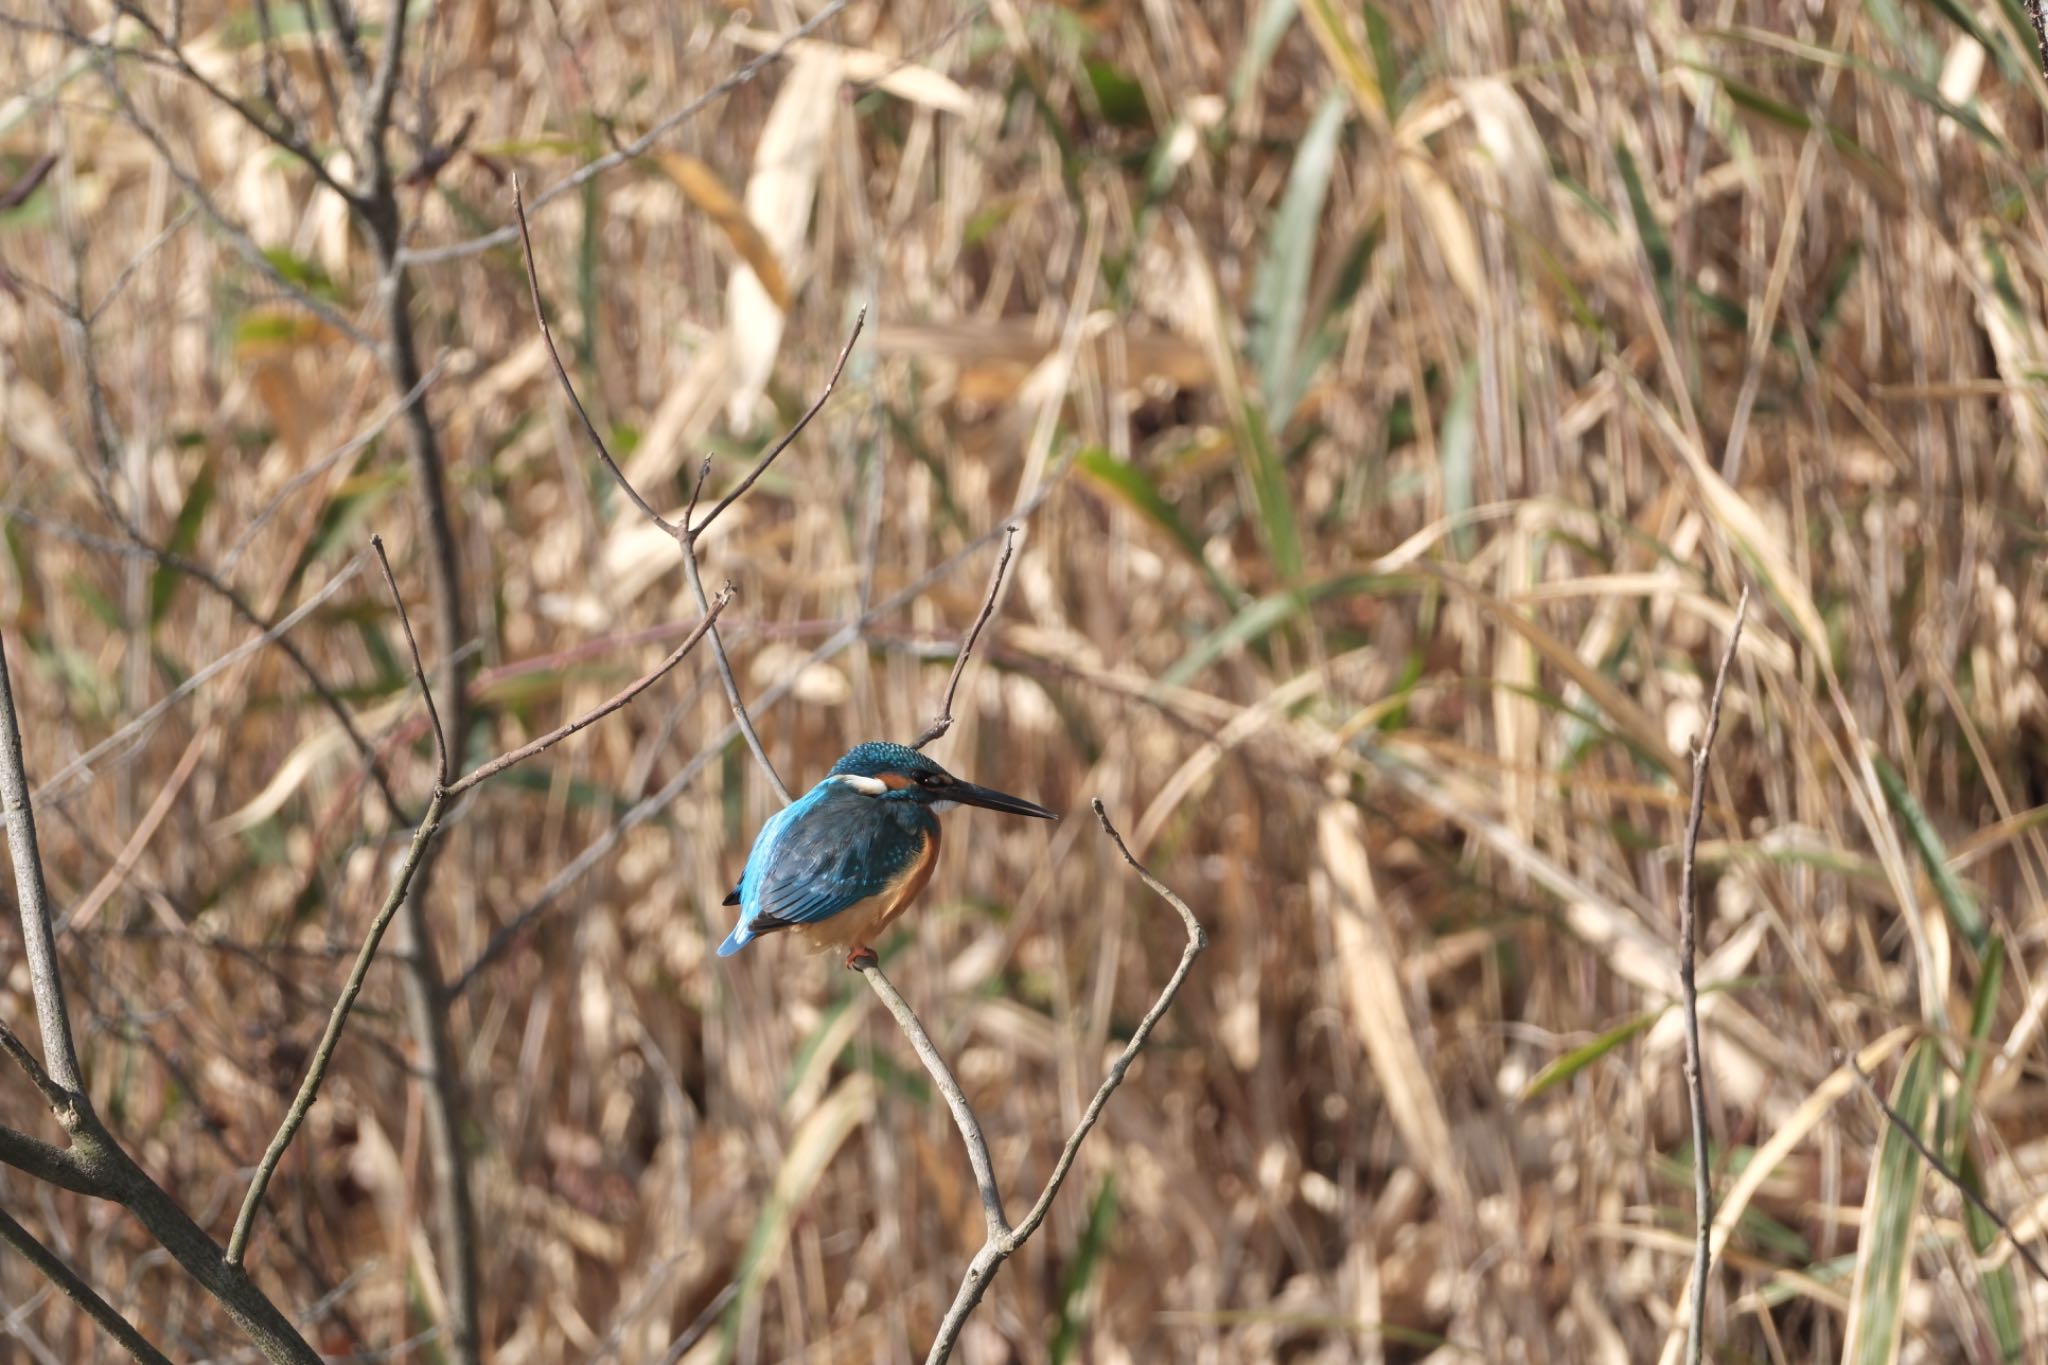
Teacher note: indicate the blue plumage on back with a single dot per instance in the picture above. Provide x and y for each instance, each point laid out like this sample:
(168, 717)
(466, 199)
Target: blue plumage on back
(866, 835)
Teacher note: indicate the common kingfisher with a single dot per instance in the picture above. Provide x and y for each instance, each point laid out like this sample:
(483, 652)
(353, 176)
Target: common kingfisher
(848, 856)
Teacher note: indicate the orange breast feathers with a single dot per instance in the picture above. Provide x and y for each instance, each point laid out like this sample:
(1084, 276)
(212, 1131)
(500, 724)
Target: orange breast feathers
(862, 922)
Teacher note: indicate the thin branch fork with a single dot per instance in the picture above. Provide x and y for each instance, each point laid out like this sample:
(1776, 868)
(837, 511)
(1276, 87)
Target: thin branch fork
(1688, 953)
(687, 531)
(446, 790)
(1004, 1238)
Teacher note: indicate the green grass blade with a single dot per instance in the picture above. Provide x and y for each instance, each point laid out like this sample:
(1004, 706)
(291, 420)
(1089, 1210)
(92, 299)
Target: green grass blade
(1955, 897)
(1135, 488)
(1563, 1068)
(1279, 301)
(1075, 1307)
(1268, 28)
(163, 583)
(1890, 1208)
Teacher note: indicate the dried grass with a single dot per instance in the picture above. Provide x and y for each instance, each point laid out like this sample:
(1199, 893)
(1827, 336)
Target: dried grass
(1401, 501)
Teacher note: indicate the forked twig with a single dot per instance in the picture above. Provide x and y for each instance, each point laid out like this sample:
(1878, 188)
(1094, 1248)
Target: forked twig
(686, 533)
(1688, 953)
(445, 790)
(1003, 1238)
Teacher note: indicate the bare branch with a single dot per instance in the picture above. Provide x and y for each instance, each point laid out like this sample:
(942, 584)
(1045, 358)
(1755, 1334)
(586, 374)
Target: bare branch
(944, 720)
(323, 1055)
(52, 1165)
(79, 1292)
(384, 90)
(1688, 952)
(576, 179)
(685, 533)
(541, 319)
(592, 853)
(1942, 1168)
(236, 234)
(1004, 1241)
(942, 1075)
(63, 1103)
(39, 940)
(285, 139)
(419, 671)
(761, 465)
(603, 709)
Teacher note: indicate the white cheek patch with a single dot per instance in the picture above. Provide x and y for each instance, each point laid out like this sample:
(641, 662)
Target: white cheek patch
(866, 786)
(943, 806)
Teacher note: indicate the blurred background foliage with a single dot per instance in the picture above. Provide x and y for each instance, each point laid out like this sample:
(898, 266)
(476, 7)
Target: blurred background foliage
(1398, 394)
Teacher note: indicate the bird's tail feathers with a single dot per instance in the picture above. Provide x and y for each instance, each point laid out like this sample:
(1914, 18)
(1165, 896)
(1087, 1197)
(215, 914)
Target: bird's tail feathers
(739, 938)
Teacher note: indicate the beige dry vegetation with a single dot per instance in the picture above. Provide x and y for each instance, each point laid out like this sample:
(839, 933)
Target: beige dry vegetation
(1415, 387)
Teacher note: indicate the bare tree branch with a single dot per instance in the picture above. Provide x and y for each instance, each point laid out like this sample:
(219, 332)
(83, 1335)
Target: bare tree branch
(323, 1055)
(982, 1270)
(841, 639)
(1688, 952)
(686, 533)
(602, 709)
(944, 720)
(95, 1163)
(445, 791)
(419, 671)
(38, 920)
(79, 1292)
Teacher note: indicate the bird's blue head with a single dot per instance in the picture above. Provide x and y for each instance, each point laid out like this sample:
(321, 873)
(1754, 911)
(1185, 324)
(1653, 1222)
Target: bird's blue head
(897, 772)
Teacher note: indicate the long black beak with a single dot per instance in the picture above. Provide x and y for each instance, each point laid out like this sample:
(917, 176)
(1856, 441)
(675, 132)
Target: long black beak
(967, 794)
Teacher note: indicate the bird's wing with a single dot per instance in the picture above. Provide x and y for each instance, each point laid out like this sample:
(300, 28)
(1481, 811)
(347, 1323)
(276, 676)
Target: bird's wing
(825, 859)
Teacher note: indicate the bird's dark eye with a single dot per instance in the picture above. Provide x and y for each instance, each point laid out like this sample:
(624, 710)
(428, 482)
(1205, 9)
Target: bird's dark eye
(932, 779)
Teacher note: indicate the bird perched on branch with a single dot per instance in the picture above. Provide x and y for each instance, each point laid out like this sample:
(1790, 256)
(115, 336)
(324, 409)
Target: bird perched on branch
(850, 855)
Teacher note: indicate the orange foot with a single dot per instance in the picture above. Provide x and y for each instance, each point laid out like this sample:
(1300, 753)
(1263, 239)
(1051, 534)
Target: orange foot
(862, 957)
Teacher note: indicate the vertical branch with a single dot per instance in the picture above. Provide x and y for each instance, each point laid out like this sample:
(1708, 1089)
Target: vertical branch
(1688, 952)
(38, 939)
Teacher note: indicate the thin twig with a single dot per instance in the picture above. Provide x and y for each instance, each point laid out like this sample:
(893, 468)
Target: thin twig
(591, 170)
(1942, 1168)
(540, 317)
(79, 1292)
(602, 709)
(739, 489)
(686, 533)
(944, 720)
(337, 1019)
(1688, 953)
(956, 1100)
(62, 1102)
(32, 894)
(1003, 1241)
(419, 671)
